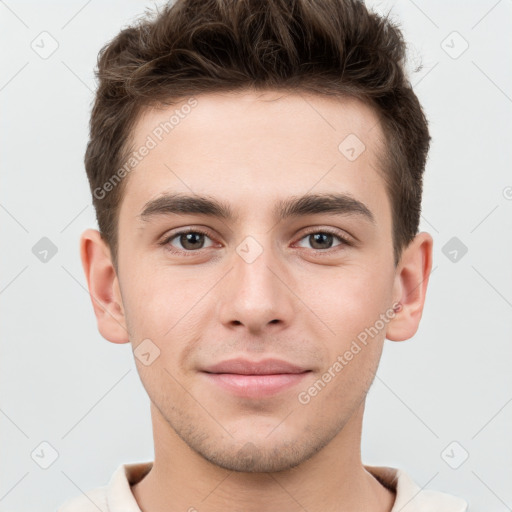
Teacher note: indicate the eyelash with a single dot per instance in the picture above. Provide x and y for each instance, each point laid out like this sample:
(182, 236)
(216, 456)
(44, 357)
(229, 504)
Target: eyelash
(343, 239)
(167, 240)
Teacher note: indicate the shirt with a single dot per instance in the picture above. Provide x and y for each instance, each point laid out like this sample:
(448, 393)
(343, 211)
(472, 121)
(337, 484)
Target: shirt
(118, 497)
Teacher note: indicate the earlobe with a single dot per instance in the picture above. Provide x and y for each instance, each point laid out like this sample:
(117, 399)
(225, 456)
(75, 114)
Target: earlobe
(410, 287)
(103, 287)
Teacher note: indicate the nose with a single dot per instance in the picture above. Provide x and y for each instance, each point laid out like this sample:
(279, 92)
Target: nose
(257, 294)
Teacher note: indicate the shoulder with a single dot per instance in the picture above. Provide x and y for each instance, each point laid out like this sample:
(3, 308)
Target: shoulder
(116, 496)
(92, 501)
(414, 498)
(410, 497)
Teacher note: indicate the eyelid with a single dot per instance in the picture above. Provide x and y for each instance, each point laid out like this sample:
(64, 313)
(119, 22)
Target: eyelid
(345, 238)
(166, 240)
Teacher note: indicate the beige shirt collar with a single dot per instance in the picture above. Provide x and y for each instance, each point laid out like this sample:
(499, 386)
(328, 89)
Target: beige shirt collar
(118, 497)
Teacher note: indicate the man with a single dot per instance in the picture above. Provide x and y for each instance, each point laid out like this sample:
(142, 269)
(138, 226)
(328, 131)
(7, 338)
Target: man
(256, 169)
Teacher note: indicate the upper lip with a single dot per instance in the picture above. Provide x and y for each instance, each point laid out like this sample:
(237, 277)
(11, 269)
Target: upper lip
(246, 367)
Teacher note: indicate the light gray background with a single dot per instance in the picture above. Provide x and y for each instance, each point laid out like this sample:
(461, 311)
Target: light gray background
(63, 384)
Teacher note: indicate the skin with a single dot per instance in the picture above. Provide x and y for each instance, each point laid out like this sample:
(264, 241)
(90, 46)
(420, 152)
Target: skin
(298, 301)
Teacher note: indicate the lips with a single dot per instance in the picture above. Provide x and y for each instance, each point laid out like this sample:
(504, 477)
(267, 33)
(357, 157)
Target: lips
(254, 379)
(246, 367)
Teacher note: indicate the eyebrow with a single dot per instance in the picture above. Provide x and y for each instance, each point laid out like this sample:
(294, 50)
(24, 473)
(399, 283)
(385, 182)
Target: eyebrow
(310, 204)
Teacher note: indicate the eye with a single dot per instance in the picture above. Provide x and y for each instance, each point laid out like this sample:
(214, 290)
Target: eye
(323, 240)
(190, 240)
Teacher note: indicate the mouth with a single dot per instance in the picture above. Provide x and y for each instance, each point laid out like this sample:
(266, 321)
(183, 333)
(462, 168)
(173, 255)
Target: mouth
(255, 379)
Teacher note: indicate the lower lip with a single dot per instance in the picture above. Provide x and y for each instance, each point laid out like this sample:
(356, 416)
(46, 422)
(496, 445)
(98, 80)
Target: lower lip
(255, 386)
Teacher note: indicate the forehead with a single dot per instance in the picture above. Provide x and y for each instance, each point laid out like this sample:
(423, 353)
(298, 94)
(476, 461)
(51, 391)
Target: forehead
(253, 148)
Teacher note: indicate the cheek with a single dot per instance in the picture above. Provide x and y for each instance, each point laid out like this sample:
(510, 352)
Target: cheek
(149, 302)
(351, 300)
(164, 306)
(356, 346)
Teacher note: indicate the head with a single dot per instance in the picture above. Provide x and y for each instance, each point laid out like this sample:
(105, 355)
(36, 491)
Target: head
(287, 140)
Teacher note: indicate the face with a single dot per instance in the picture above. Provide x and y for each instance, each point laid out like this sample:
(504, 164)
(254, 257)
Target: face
(245, 271)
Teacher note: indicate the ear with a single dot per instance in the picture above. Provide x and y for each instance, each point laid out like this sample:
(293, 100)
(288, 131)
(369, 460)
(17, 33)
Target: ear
(103, 287)
(410, 287)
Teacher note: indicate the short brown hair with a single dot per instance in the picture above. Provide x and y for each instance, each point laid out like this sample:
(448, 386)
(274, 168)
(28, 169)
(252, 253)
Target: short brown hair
(189, 47)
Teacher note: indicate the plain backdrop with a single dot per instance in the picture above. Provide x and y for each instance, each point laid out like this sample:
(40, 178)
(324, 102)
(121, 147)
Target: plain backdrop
(72, 406)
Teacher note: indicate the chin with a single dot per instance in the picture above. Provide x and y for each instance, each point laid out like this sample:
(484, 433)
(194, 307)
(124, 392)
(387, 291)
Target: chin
(271, 453)
(253, 459)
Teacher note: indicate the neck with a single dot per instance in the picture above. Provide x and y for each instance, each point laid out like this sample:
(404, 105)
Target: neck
(334, 479)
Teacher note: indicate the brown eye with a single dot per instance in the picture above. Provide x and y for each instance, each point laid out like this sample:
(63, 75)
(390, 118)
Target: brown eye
(324, 240)
(321, 240)
(187, 241)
